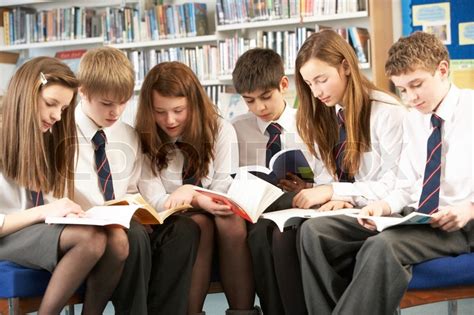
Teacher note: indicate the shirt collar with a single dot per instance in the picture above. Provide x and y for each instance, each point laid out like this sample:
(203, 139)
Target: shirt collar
(87, 126)
(448, 105)
(286, 121)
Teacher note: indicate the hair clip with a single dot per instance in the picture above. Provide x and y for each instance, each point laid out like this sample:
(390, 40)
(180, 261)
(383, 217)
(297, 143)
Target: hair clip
(43, 78)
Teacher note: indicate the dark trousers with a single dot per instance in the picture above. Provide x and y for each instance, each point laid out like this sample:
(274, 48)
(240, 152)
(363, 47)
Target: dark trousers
(276, 265)
(174, 247)
(351, 270)
(130, 296)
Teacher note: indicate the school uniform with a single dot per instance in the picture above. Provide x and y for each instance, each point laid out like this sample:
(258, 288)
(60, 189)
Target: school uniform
(35, 246)
(253, 138)
(125, 159)
(218, 178)
(366, 272)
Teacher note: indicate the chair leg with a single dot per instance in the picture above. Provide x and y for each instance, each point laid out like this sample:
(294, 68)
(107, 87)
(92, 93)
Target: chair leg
(453, 307)
(398, 311)
(69, 309)
(13, 306)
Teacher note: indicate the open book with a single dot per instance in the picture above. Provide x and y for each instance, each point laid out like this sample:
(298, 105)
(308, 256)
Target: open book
(283, 162)
(248, 195)
(120, 211)
(384, 222)
(292, 217)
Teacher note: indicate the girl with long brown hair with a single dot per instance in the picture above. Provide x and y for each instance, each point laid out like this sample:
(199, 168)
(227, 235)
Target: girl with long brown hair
(37, 147)
(356, 127)
(187, 143)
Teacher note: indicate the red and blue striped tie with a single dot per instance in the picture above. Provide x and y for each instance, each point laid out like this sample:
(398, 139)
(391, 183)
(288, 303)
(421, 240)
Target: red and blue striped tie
(429, 200)
(102, 164)
(274, 142)
(340, 149)
(37, 198)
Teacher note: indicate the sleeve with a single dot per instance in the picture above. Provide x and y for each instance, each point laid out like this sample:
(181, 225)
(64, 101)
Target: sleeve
(386, 147)
(226, 159)
(151, 186)
(408, 179)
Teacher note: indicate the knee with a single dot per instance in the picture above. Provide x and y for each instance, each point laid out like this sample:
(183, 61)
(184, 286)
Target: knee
(187, 230)
(93, 241)
(233, 231)
(117, 244)
(378, 247)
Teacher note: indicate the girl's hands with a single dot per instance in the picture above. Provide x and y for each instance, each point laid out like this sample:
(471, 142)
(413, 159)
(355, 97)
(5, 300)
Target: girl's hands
(215, 207)
(64, 207)
(310, 197)
(182, 196)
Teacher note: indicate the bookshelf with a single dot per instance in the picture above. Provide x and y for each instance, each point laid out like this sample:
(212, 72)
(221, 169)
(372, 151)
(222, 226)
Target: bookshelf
(375, 15)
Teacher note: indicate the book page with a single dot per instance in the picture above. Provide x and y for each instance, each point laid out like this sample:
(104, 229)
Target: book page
(384, 222)
(290, 217)
(100, 215)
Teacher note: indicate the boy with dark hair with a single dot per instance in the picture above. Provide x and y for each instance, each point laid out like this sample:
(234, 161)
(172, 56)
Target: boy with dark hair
(269, 126)
(351, 268)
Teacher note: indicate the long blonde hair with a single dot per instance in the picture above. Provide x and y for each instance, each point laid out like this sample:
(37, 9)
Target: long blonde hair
(316, 122)
(33, 159)
(174, 79)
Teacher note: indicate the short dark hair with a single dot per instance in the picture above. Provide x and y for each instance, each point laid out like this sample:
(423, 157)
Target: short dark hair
(258, 69)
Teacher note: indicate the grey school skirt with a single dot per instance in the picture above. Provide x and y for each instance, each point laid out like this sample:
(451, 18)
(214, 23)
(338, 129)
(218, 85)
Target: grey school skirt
(36, 246)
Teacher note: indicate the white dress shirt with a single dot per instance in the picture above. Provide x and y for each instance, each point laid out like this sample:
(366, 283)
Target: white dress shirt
(225, 162)
(125, 160)
(456, 153)
(378, 168)
(253, 137)
(12, 198)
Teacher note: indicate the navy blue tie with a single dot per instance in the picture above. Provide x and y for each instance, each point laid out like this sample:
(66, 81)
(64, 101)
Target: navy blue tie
(340, 148)
(429, 199)
(102, 164)
(274, 142)
(37, 198)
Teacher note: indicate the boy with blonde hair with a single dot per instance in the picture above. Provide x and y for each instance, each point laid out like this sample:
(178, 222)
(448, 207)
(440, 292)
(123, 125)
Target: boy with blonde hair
(350, 267)
(109, 167)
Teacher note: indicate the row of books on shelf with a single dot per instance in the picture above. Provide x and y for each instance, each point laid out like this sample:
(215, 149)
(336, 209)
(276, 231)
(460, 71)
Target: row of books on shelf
(241, 11)
(22, 25)
(163, 21)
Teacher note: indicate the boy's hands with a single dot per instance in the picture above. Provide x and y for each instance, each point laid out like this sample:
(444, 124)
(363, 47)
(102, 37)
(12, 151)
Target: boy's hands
(453, 218)
(310, 197)
(292, 182)
(376, 209)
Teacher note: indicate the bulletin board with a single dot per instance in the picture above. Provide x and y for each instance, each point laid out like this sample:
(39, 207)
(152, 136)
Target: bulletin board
(453, 22)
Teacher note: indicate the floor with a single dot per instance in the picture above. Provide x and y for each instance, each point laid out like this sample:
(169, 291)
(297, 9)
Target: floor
(216, 305)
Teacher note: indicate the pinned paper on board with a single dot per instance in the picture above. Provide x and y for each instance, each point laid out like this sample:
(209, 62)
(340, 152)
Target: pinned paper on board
(440, 29)
(462, 73)
(466, 33)
(431, 13)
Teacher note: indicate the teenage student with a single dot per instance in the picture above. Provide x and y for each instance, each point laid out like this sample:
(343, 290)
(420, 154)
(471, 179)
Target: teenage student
(109, 167)
(366, 272)
(268, 127)
(189, 144)
(38, 144)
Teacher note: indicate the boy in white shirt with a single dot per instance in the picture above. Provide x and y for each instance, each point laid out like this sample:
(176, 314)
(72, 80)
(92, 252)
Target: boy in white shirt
(110, 166)
(268, 127)
(435, 177)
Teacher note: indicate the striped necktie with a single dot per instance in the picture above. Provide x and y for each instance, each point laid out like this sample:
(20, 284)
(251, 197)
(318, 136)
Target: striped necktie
(102, 164)
(429, 199)
(274, 142)
(340, 149)
(37, 198)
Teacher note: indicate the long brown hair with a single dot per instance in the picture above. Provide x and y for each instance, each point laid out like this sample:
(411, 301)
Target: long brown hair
(33, 159)
(316, 122)
(174, 79)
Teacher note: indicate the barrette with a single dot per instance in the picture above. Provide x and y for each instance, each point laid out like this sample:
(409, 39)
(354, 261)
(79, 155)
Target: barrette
(43, 78)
